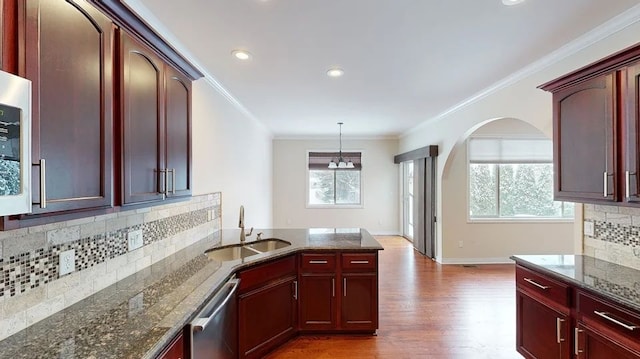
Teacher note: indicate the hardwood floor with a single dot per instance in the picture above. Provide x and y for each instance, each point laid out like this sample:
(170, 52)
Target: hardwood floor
(427, 310)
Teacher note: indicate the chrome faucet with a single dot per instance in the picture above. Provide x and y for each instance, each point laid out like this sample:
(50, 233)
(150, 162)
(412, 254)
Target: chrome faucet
(243, 234)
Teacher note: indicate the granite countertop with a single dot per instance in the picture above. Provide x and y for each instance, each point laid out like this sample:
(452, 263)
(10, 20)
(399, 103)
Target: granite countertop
(139, 315)
(618, 283)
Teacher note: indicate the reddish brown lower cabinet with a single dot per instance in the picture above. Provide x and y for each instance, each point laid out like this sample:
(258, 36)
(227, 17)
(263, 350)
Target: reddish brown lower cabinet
(556, 319)
(175, 350)
(590, 344)
(318, 300)
(338, 292)
(542, 332)
(359, 302)
(267, 307)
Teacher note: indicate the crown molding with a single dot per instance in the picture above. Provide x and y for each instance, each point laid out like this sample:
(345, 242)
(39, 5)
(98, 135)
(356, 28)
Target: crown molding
(595, 35)
(149, 17)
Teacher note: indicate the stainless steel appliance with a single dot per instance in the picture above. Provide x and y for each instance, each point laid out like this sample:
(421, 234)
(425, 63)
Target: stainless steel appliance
(214, 332)
(15, 144)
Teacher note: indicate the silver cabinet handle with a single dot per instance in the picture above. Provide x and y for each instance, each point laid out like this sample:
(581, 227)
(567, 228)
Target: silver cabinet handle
(359, 262)
(344, 287)
(43, 183)
(576, 346)
(295, 289)
(614, 320)
(626, 184)
(200, 324)
(317, 262)
(173, 180)
(606, 183)
(333, 287)
(559, 338)
(163, 173)
(531, 281)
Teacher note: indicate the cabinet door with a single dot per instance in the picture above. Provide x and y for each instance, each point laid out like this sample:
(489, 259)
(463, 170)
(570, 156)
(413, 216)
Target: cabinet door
(178, 132)
(69, 59)
(267, 318)
(175, 350)
(359, 302)
(318, 305)
(142, 132)
(631, 136)
(584, 140)
(541, 331)
(590, 344)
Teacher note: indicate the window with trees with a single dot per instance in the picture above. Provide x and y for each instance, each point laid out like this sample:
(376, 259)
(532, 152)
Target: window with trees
(334, 187)
(512, 179)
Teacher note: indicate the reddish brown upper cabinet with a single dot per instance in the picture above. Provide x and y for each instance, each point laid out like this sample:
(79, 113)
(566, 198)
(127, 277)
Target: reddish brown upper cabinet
(68, 56)
(155, 127)
(584, 130)
(596, 116)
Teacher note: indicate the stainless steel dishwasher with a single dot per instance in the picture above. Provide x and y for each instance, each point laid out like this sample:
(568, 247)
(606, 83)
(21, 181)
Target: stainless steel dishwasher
(214, 332)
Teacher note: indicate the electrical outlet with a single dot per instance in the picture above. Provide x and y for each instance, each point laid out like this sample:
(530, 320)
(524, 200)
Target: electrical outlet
(209, 215)
(67, 262)
(460, 244)
(134, 238)
(588, 229)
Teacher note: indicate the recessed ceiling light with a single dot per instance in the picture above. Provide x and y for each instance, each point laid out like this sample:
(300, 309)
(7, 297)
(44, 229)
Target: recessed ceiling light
(511, 2)
(335, 72)
(241, 54)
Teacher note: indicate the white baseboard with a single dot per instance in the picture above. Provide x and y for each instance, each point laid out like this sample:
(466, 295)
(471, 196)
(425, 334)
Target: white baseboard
(496, 260)
(385, 233)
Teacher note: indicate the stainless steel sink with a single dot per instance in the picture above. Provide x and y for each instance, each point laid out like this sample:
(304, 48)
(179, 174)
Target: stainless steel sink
(239, 251)
(229, 253)
(266, 245)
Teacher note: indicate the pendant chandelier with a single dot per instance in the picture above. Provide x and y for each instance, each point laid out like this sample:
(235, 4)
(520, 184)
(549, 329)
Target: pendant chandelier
(341, 163)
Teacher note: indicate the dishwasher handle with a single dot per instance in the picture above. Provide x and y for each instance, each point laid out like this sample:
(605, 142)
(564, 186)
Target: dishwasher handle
(199, 324)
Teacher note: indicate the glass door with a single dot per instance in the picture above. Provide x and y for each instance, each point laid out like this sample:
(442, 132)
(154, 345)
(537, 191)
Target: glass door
(407, 212)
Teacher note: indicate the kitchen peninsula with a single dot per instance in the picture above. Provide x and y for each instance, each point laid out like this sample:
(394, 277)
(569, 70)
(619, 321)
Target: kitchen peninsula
(140, 315)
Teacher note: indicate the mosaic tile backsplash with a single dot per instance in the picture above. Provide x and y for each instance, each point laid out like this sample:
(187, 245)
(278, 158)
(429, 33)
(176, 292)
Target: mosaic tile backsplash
(31, 287)
(616, 236)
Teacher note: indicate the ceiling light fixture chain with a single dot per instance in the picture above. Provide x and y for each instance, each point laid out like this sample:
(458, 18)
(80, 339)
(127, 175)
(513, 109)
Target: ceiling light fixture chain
(341, 163)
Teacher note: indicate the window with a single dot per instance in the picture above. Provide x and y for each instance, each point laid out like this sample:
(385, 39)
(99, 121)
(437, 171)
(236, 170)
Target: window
(512, 179)
(339, 187)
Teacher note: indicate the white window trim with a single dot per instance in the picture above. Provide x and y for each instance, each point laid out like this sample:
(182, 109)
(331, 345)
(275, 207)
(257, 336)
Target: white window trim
(333, 206)
(512, 220)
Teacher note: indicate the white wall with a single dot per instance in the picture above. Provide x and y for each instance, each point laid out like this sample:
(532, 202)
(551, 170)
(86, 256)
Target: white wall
(231, 154)
(493, 242)
(521, 100)
(380, 186)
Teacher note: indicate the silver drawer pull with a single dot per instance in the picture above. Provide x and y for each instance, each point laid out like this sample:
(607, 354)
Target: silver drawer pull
(318, 262)
(359, 262)
(532, 282)
(607, 316)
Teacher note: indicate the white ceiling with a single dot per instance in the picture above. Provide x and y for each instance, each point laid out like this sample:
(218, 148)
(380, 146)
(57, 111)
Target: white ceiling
(405, 61)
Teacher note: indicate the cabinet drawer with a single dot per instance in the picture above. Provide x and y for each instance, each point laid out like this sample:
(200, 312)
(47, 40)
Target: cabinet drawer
(318, 262)
(265, 273)
(358, 262)
(620, 320)
(534, 282)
